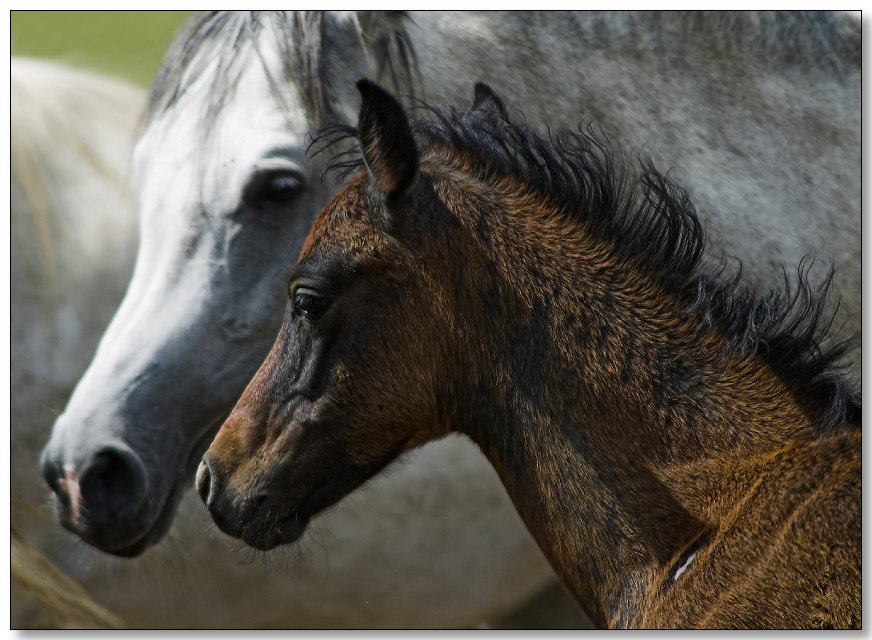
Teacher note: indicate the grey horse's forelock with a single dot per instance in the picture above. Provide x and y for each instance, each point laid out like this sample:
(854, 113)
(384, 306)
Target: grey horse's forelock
(303, 41)
(222, 31)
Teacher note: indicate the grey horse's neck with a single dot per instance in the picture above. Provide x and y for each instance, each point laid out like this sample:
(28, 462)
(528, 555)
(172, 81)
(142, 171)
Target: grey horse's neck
(415, 55)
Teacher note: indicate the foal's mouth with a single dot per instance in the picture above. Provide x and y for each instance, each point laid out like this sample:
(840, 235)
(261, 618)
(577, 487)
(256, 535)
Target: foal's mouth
(266, 536)
(266, 527)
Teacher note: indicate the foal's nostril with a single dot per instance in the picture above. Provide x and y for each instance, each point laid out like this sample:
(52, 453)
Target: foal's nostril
(204, 480)
(114, 482)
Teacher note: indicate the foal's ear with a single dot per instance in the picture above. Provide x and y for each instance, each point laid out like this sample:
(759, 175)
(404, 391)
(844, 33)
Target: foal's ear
(388, 146)
(486, 100)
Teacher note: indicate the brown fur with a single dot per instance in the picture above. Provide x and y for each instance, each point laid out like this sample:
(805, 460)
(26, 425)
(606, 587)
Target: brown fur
(630, 435)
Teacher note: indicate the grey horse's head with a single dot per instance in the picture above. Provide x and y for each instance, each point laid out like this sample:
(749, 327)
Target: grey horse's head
(227, 194)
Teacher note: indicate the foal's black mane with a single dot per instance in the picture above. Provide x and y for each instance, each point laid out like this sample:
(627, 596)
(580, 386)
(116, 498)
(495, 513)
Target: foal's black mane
(650, 220)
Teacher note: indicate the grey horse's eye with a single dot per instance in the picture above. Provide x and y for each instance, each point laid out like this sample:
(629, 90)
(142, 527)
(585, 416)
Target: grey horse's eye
(272, 188)
(308, 302)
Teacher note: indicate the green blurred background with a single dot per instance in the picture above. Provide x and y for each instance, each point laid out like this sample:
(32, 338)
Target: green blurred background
(124, 44)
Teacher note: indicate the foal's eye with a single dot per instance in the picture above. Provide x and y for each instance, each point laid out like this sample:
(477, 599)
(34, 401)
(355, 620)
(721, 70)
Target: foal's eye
(275, 187)
(308, 302)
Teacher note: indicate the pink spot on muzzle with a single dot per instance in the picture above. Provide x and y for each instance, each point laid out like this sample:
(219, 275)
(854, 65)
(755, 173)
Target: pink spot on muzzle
(70, 485)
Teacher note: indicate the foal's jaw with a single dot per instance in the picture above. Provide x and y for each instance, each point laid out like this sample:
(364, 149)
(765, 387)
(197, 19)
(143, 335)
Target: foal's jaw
(263, 521)
(269, 502)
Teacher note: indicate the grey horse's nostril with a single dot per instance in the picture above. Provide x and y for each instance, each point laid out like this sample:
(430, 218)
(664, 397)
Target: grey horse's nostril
(114, 482)
(52, 475)
(204, 480)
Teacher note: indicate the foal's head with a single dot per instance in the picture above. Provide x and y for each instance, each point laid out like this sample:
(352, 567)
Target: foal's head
(443, 289)
(361, 369)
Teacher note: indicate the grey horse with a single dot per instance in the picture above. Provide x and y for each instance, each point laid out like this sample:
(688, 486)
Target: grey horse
(758, 113)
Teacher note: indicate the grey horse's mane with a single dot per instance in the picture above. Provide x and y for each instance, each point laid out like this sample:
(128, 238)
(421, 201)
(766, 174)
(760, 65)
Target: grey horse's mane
(304, 39)
(737, 39)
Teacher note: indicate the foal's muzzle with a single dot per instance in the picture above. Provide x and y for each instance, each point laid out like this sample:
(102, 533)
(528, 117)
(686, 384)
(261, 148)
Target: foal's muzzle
(253, 518)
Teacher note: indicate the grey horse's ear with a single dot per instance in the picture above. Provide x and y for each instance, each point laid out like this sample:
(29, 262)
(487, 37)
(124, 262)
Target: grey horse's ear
(386, 140)
(486, 100)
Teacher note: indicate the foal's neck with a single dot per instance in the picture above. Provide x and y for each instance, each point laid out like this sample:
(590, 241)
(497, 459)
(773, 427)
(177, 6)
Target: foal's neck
(612, 413)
